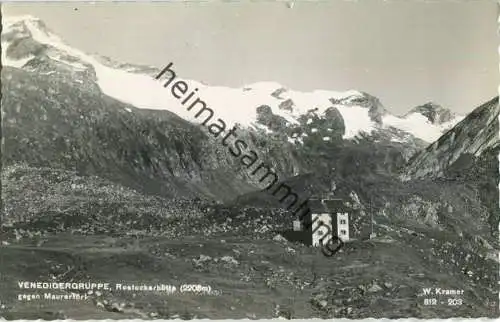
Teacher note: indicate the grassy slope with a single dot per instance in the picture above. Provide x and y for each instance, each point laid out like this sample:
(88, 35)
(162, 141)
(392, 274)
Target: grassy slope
(264, 274)
(258, 276)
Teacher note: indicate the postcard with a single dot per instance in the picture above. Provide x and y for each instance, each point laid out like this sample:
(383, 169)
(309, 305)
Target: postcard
(249, 160)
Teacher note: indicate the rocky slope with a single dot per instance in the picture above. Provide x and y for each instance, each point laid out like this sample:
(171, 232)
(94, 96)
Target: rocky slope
(472, 136)
(468, 154)
(48, 122)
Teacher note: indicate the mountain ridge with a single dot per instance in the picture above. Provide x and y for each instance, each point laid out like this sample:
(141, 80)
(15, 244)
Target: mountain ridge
(28, 37)
(473, 135)
(434, 112)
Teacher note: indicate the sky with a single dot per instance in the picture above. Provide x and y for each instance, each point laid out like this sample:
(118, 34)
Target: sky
(406, 53)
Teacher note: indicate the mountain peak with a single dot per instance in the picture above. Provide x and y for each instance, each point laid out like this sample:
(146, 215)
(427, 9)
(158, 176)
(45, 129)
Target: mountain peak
(435, 113)
(477, 133)
(24, 26)
(359, 98)
(25, 37)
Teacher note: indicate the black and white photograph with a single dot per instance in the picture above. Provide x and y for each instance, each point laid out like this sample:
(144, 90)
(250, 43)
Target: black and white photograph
(249, 160)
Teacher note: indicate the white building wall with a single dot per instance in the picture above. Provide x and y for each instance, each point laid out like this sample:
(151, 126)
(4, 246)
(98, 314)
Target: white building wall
(343, 226)
(319, 230)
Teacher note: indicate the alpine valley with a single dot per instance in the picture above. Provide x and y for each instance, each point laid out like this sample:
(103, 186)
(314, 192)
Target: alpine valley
(107, 177)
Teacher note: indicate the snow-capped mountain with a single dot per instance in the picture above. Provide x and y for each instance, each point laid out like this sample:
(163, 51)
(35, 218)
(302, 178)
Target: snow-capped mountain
(435, 113)
(474, 135)
(27, 43)
(437, 121)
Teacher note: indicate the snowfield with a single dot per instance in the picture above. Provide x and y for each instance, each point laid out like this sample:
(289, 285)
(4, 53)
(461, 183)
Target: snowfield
(419, 126)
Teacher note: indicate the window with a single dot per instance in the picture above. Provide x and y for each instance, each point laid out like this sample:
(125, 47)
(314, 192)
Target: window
(342, 221)
(343, 232)
(297, 225)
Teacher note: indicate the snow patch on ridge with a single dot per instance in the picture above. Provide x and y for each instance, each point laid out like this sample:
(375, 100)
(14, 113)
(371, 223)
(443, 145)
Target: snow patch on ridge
(419, 126)
(356, 120)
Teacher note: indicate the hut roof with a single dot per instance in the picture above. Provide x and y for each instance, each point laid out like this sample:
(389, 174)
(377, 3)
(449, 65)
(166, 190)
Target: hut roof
(327, 205)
